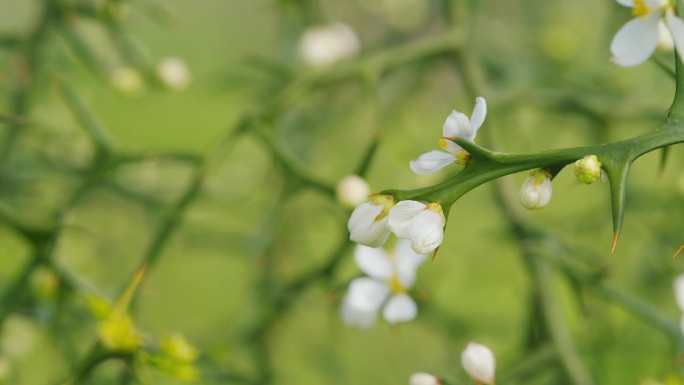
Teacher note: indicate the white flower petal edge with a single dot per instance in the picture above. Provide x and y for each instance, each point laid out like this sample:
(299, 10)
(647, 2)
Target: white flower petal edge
(676, 25)
(626, 3)
(366, 294)
(635, 41)
(478, 361)
(374, 262)
(407, 261)
(679, 291)
(479, 115)
(401, 215)
(430, 162)
(353, 317)
(400, 308)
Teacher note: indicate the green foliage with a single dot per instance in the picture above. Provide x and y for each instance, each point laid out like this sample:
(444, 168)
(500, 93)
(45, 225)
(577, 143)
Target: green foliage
(212, 211)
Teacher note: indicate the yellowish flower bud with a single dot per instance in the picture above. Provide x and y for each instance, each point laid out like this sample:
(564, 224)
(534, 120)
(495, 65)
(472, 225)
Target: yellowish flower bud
(588, 169)
(118, 333)
(177, 347)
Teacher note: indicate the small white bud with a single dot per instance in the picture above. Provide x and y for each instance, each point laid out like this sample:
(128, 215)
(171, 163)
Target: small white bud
(478, 361)
(352, 190)
(536, 191)
(423, 379)
(324, 45)
(588, 169)
(173, 73)
(127, 80)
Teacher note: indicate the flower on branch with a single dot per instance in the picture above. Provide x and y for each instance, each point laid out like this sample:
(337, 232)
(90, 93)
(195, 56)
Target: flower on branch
(389, 276)
(457, 125)
(422, 224)
(368, 222)
(637, 39)
(588, 169)
(536, 191)
(478, 361)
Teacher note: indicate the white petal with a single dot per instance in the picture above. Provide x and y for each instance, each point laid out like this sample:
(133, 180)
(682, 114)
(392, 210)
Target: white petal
(679, 291)
(676, 25)
(400, 308)
(405, 254)
(407, 262)
(457, 125)
(426, 231)
(635, 41)
(479, 114)
(431, 162)
(374, 262)
(365, 229)
(352, 317)
(478, 361)
(401, 214)
(366, 294)
(627, 3)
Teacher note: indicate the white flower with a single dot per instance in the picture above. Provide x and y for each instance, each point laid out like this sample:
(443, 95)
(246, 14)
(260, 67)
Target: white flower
(388, 278)
(478, 361)
(536, 191)
(457, 125)
(422, 224)
(637, 39)
(352, 190)
(423, 379)
(368, 222)
(173, 73)
(321, 46)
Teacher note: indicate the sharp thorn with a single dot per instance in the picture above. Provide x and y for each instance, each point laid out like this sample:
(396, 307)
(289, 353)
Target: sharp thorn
(679, 250)
(615, 239)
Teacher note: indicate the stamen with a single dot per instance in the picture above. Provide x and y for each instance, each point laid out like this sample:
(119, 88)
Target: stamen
(640, 9)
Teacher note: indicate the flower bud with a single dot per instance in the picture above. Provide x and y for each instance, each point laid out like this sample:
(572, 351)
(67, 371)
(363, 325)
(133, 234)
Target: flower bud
(588, 169)
(117, 333)
(127, 80)
(173, 73)
(178, 348)
(368, 222)
(422, 224)
(352, 190)
(324, 45)
(536, 190)
(478, 361)
(423, 379)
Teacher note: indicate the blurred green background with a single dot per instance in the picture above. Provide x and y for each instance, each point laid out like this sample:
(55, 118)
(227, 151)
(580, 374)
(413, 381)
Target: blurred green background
(548, 82)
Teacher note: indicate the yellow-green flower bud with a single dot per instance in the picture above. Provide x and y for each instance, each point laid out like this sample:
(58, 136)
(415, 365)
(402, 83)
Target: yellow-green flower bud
(178, 348)
(118, 333)
(588, 169)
